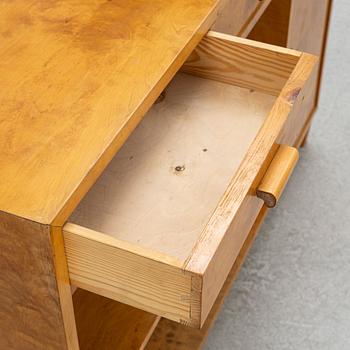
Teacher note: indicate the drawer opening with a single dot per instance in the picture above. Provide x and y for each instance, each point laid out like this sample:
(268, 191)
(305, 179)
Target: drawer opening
(151, 232)
(161, 188)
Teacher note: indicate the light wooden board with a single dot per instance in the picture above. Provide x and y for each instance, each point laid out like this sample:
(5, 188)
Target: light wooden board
(202, 128)
(308, 30)
(76, 78)
(104, 324)
(242, 62)
(307, 25)
(131, 274)
(254, 17)
(174, 336)
(282, 126)
(238, 17)
(272, 26)
(298, 24)
(294, 92)
(234, 15)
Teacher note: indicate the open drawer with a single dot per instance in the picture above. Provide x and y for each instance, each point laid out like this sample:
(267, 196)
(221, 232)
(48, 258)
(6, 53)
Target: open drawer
(165, 222)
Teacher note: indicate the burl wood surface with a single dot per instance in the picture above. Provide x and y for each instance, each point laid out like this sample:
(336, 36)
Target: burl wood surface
(76, 78)
(30, 311)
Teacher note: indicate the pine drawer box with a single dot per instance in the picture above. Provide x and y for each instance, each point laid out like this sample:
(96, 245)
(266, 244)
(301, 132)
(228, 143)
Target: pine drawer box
(163, 225)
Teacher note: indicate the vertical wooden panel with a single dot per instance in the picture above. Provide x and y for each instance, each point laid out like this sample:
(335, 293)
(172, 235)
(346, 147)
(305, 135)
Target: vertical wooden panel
(64, 288)
(273, 25)
(238, 17)
(234, 15)
(30, 310)
(300, 25)
(308, 31)
(105, 324)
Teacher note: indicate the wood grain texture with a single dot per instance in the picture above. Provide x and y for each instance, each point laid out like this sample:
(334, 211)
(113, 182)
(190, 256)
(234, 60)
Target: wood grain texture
(307, 25)
(142, 184)
(277, 175)
(242, 62)
(212, 256)
(171, 335)
(238, 17)
(300, 25)
(272, 26)
(307, 32)
(76, 78)
(64, 287)
(30, 310)
(254, 18)
(232, 17)
(258, 152)
(227, 252)
(105, 324)
(130, 274)
(174, 336)
(202, 128)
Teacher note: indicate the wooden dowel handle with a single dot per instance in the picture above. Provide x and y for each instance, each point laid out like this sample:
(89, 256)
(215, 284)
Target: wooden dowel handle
(277, 175)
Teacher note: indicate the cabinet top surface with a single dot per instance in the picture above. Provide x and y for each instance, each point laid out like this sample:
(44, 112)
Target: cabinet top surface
(74, 75)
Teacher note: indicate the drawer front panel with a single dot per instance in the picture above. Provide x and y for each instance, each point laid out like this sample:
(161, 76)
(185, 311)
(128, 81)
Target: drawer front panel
(133, 276)
(286, 122)
(227, 252)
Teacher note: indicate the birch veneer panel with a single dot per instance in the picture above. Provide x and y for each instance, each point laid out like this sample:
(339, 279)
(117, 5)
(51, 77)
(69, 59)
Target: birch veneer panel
(85, 72)
(28, 276)
(174, 336)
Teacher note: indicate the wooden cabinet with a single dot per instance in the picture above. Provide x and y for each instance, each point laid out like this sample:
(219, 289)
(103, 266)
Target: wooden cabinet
(148, 206)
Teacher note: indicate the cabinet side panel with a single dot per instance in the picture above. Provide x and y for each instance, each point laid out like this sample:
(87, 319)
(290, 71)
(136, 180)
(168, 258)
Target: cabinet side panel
(308, 31)
(30, 311)
(272, 28)
(300, 25)
(234, 15)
